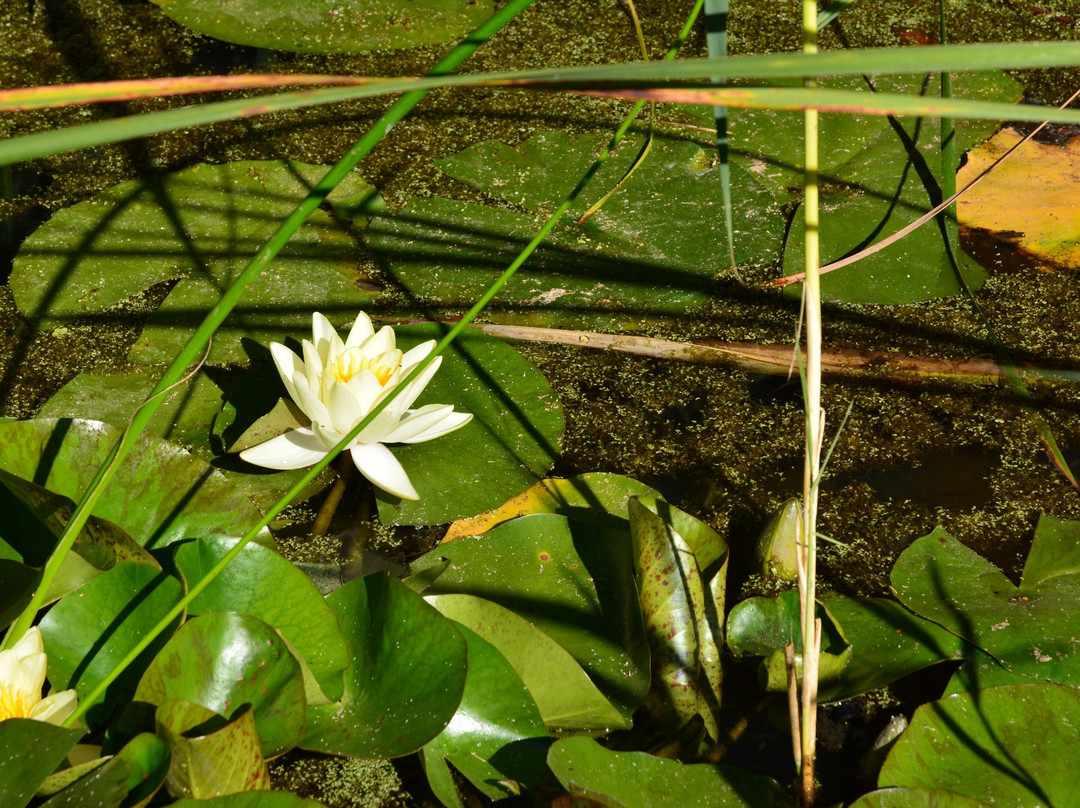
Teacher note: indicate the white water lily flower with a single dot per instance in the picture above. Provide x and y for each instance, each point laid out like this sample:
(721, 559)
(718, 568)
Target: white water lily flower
(336, 384)
(22, 674)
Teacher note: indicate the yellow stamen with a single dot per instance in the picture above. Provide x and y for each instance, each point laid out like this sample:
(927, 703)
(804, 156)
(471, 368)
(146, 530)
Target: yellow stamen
(15, 703)
(347, 364)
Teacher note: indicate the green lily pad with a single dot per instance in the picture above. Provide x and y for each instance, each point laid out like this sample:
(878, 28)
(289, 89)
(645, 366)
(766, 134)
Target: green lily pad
(159, 494)
(211, 755)
(641, 256)
(29, 751)
(495, 735)
(566, 697)
(882, 189)
(570, 580)
(200, 226)
(681, 566)
(91, 630)
(1004, 746)
(1030, 629)
(261, 583)
(406, 677)
(764, 626)
(325, 26)
(887, 643)
(769, 142)
(916, 798)
(222, 660)
(134, 773)
(197, 415)
(640, 780)
(34, 520)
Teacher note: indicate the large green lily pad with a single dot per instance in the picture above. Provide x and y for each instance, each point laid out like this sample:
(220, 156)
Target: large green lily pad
(223, 660)
(572, 580)
(330, 26)
(656, 247)
(89, 632)
(29, 751)
(158, 495)
(891, 182)
(200, 226)
(640, 780)
(1007, 746)
(1031, 628)
(496, 735)
(261, 583)
(406, 677)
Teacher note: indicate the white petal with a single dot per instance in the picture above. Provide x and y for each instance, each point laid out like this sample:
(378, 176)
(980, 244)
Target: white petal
(361, 330)
(385, 423)
(327, 435)
(345, 410)
(365, 386)
(313, 365)
(288, 365)
(322, 334)
(29, 643)
(295, 449)
(454, 420)
(414, 356)
(416, 386)
(418, 421)
(380, 343)
(379, 465)
(308, 401)
(55, 708)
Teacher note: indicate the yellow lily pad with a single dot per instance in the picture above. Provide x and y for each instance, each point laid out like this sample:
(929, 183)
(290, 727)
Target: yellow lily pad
(1029, 200)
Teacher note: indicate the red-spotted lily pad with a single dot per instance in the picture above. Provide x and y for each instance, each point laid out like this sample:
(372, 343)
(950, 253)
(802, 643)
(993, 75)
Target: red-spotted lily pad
(211, 755)
(681, 566)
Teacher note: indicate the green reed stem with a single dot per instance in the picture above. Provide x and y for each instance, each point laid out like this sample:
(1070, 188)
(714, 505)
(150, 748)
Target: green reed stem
(814, 425)
(194, 347)
(195, 590)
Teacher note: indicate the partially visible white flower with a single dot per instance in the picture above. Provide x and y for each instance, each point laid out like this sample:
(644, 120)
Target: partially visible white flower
(336, 384)
(22, 675)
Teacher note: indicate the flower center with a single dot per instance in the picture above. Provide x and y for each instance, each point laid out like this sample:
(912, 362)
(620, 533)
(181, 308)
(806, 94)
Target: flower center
(15, 703)
(350, 362)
